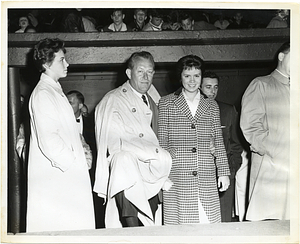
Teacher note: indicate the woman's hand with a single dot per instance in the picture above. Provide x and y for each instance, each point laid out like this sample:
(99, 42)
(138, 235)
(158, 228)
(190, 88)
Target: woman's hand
(223, 183)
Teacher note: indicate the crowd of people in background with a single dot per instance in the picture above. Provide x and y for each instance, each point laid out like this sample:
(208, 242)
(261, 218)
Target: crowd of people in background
(119, 20)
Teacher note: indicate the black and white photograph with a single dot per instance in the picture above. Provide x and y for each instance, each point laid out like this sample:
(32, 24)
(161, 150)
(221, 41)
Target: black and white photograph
(149, 122)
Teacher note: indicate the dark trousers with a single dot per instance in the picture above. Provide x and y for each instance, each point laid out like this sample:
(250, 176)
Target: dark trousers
(227, 201)
(128, 212)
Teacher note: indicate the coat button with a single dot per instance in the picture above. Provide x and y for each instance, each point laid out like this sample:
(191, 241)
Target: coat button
(194, 173)
(133, 110)
(141, 135)
(156, 150)
(194, 150)
(193, 126)
(124, 90)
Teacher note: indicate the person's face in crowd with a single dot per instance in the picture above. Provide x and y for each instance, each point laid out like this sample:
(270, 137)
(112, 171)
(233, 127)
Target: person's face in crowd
(141, 76)
(283, 13)
(75, 103)
(156, 21)
(117, 17)
(284, 59)
(187, 24)
(59, 67)
(140, 17)
(191, 79)
(23, 22)
(238, 17)
(210, 87)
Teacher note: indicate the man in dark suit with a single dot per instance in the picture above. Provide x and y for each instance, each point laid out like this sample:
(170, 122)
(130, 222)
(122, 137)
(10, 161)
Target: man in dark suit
(86, 127)
(229, 125)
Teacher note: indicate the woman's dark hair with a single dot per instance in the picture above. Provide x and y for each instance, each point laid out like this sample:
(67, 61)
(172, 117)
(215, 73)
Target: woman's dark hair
(44, 52)
(188, 62)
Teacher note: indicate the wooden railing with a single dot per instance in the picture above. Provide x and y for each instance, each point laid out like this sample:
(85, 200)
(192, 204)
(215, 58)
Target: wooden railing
(245, 45)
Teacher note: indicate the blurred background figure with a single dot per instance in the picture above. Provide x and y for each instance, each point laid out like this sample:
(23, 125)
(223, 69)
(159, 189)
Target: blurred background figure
(140, 17)
(221, 22)
(265, 122)
(280, 20)
(156, 21)
(230, 128)
(23, 23)
(76, 22)
(117, 25)
(188, 23)
(237, 22)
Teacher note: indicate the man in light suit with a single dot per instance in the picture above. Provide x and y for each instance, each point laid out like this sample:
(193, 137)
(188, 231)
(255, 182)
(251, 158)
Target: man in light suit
(229, 125)
(131, 166)
(265, 122)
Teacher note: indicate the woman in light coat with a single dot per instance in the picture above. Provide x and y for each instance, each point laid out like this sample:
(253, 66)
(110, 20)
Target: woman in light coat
(59, 188)
(189, 128)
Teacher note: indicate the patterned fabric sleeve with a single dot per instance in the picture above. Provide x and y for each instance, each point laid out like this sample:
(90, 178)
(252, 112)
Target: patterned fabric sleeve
(163, 130)
(163, 124)
(220, 152)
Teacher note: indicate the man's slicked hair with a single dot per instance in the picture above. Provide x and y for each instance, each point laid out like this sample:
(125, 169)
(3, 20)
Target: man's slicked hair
(78, 94)
(137, 55)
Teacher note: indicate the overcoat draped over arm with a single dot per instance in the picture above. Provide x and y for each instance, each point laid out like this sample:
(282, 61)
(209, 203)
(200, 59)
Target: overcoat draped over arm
(129, 155)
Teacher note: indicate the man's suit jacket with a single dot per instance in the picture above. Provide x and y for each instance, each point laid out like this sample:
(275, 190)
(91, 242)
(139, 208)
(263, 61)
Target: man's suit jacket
(229, 125)
(88, 132)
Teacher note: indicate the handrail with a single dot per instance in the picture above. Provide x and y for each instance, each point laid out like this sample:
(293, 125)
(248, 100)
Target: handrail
(166, 46)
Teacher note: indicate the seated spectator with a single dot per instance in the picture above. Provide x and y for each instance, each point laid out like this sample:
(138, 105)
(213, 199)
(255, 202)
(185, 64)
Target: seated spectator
(280, 20)
(156, 21)
(221, 23)
(188, 23)
(238, 22)
(23, 23)
(140, 16)
(171, 21)
(118, 25)
(75, 22)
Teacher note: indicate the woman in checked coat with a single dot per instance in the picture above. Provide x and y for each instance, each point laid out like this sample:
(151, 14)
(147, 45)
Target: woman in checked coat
(189, 128)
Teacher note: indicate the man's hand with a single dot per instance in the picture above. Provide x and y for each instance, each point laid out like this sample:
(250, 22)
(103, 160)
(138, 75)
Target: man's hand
(223, 183)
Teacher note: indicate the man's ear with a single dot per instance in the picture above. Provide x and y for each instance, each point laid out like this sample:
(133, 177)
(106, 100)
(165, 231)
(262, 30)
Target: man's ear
(123, 16)
(80, 106)
(280, 56)
(128, 73)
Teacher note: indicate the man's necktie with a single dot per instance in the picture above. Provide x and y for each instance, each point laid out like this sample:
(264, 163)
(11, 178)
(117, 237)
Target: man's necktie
(144, 99)
(78, 120)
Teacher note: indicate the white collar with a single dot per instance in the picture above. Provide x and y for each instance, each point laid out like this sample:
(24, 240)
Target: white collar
(283, 74)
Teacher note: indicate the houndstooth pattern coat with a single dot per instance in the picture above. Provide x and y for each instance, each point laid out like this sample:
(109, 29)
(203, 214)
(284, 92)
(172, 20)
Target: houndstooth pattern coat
(195, 166)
